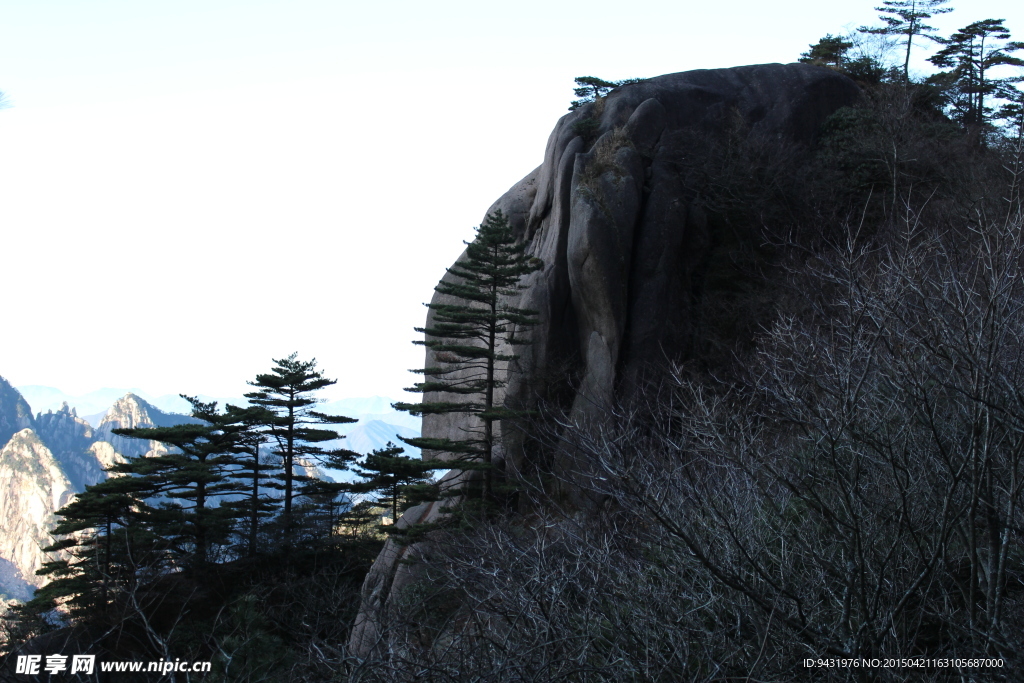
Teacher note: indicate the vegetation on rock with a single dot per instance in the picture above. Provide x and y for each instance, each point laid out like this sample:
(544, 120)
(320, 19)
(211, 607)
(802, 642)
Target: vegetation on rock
(812, 442)
(470, 323)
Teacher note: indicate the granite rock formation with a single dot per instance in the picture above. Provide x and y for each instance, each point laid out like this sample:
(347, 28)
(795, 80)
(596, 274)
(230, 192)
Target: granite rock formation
(15, 413)
(132, 412)
(69, 437)
(34, 487)
(617, 212)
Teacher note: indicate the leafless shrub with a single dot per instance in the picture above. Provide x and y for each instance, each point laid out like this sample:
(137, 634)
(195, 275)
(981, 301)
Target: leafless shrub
(556, 598)
(855, 492)
(862, 488)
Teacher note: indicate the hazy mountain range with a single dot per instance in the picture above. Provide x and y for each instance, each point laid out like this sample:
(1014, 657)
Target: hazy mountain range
(93, 406)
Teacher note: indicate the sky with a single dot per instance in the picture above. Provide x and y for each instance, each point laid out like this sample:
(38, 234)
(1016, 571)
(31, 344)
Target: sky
(190, 189)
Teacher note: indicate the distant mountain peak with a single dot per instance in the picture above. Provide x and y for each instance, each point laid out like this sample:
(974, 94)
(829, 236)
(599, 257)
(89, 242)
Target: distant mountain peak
(131, 411)
(15, 412)
(134, 412)
(65, 408)
(46, 458)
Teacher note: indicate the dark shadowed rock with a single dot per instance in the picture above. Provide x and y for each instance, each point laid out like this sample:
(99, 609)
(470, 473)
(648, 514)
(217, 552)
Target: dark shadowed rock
(620, 223)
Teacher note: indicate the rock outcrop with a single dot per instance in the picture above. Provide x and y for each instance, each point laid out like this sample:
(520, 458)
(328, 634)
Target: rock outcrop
(69, 438)
(617, 213)
(33, 487)
(15, 413)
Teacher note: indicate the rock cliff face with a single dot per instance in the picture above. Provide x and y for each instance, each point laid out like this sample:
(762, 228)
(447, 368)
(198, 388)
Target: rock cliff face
(33, 487)
(15, 413)
(619, 214)
(69, 438)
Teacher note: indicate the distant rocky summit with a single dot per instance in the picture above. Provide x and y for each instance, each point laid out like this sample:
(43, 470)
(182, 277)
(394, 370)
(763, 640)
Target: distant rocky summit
(633, 214)
(15, 413)
(44, 460)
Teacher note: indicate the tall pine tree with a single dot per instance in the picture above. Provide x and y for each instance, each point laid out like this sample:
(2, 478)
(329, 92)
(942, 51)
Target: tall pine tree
(970, 54)
(252, 469)
(463, 334)
(287, 392)
(907, 18)
(103, 546)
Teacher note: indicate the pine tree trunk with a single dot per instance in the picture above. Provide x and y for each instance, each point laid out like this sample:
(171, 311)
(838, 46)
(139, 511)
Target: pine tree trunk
(288, 459)
(254, 514)
(906, 61)
(489, 399)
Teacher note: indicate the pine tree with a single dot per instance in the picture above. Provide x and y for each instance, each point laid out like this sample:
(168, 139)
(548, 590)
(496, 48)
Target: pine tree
(1012, 112)
(325, 501)
(907, 18)
(591, 88)
(829, 51)
(104, 544)
(463, 335)
(402, 481)
(287, 392)
(188, 480)
(252, 473)
(970, 54)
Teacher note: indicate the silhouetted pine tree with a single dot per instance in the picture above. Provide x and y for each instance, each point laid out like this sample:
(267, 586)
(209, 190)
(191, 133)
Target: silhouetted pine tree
(105, 545)
(464, 331)
(401, 480)
(907, 18)
(287, 393)
(189, 480)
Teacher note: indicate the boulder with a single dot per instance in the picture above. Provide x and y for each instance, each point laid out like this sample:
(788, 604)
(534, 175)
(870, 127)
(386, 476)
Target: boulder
(625, 236)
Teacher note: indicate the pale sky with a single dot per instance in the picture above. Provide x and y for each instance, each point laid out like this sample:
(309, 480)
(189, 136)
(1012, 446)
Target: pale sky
(192, 188)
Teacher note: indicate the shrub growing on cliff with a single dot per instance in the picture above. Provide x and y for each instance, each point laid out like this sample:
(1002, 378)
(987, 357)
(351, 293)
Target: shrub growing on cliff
(829, 51)
(400, 481)
(855, 491)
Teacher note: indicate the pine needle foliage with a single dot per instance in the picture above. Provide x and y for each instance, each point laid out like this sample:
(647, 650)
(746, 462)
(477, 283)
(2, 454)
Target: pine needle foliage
(829, 51)
(907, 18)
(400, 481)
(101, 541)
(468, 324)
(287, 393)
(969, 55)
(190, 480)
(591, 88)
